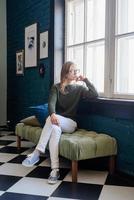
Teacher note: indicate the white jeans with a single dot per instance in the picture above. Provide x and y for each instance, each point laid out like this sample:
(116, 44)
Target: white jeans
(52, 134)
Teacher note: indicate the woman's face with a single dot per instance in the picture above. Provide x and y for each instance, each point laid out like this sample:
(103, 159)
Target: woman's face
(73, 73)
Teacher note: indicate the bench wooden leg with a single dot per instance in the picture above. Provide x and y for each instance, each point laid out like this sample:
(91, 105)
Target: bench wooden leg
(111, 164)
(74, 170)
(18, 142)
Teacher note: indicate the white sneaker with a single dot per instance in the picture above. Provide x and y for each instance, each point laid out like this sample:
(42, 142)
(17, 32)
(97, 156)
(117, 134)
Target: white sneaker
(54, 176)
(31, 160)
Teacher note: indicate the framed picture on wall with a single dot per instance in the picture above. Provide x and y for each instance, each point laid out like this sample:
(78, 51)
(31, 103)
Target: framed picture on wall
(31, 46)
(44, 45)
(20, 62)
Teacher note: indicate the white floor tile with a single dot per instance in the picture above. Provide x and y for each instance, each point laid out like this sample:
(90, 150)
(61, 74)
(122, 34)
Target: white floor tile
(23, 144)
(88, 176)
(6, 132)
(5, 157)
(15, 169)
(110, 192)
(34, 186)
(2, 192)
(8, 137)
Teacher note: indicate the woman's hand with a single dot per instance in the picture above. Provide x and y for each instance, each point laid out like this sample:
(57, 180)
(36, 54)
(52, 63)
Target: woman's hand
(54, 119)
(80, 78)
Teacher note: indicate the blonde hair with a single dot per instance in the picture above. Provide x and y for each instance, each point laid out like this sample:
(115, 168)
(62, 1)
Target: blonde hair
(64, 72)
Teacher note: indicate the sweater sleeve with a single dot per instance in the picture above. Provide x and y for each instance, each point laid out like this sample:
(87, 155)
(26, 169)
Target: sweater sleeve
(52, 100)
(89, 91)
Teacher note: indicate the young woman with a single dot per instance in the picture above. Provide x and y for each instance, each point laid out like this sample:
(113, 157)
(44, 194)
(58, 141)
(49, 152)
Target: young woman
(63, 102)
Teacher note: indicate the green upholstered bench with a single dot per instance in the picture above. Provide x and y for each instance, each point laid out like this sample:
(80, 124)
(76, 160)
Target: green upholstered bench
(79, 145)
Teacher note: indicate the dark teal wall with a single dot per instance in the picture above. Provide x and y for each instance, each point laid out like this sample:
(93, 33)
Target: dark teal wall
(30, 89)
(116, 118)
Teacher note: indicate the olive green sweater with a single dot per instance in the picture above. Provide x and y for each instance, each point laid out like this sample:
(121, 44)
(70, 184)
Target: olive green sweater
(66, 104)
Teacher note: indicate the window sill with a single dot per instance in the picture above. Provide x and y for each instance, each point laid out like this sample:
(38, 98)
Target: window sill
(116, 108)
(115, 101)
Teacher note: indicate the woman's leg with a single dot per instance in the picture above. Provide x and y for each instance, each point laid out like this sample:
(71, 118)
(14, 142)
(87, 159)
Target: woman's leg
(33, 158)
(54, 147)
(65, 125)
(45, 135)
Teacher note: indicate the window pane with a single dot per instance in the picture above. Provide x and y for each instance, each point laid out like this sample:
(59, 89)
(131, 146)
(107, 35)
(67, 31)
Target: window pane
(95, 65)
(125, 16)
(75, 22)
(125, 66)
(75, 54)
(95, 19)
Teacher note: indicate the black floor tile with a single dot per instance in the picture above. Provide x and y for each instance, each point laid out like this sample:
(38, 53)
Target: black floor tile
(10, 149)
(16, 196)
(17, 159)
(100, 164)
(40, 172)
(1, 163)
(6, 142)
(63, 173)
(78, 191)
(120, 180)
(7, 181)
(43, 172)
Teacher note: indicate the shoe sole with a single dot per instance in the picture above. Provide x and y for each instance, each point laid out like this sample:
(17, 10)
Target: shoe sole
(30, 165)
(53, 182)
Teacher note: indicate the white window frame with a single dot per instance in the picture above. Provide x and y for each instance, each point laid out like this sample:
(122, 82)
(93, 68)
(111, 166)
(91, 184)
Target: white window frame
(110, 58)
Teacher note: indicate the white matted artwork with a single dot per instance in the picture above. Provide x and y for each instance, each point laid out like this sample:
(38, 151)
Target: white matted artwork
(44, 45)
(31, 46)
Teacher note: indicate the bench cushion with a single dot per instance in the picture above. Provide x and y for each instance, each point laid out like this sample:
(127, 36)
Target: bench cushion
(84, 144)
(28, 132)
(79, 145)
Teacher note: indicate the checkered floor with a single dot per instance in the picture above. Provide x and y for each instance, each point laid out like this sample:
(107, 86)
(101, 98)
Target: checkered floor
(21, 183)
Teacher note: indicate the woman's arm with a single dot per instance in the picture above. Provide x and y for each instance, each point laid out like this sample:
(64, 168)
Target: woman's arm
(52, 105)
(89, 91)
(52, 100)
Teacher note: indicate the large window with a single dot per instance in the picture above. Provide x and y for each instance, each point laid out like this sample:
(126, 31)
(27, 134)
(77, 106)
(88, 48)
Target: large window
(100, 39)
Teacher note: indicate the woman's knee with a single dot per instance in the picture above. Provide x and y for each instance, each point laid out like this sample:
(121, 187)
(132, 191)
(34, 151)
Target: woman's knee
(72, 126)
(56, 132)
(56, 129)
(48, 120)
